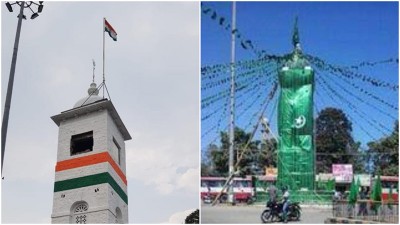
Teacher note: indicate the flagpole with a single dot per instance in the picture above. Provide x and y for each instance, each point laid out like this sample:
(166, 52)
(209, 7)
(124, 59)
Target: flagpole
(104, 23)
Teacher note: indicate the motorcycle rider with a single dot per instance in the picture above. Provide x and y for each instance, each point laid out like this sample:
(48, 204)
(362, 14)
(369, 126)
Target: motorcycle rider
(285, 202)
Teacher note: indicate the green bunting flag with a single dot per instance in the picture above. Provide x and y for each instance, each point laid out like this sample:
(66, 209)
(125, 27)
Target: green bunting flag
(353, 192)
(377, 193)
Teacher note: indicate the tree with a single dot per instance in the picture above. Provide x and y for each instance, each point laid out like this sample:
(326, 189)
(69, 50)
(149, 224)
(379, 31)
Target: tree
(384, 153)
(192, 217)
(268, 155)
(334, 142)
(255, 158)
(207, 163)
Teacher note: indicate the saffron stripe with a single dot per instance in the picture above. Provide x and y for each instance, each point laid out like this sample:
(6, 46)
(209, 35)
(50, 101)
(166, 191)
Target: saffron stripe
(90, 180)
(91, 160)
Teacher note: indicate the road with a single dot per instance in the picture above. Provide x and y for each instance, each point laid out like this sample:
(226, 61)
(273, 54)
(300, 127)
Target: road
(251, 214)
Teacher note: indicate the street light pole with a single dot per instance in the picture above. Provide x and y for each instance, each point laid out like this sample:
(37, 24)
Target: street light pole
(232, 108)
(7, 104)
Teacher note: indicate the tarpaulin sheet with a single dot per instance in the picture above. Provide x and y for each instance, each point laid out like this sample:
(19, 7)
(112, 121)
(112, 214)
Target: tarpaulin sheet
(295, 128)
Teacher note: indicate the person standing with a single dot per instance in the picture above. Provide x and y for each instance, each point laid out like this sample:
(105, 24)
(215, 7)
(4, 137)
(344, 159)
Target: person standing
(363, 196)
(285, 201)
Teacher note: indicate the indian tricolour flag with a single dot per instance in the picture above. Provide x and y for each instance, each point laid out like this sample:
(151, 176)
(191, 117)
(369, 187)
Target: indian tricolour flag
(108, 28)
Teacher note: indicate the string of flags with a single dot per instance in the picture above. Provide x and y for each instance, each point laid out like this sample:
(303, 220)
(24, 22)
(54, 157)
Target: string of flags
(367, 63)
(372, 106)
(245, 43)
(265, 103)
(361, 90)
(240, 85)
(354, 108)
(330, 95)
(322, 65)
(348, 115)
(214, 77)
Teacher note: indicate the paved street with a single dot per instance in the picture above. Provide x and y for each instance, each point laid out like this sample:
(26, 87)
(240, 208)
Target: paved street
(251, 214)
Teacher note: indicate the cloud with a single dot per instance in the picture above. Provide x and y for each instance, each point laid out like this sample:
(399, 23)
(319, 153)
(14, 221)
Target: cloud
(189, 180)
(160, 165)
(179, 217)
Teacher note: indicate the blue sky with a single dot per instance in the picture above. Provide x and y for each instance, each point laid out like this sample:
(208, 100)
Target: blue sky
(341, 33)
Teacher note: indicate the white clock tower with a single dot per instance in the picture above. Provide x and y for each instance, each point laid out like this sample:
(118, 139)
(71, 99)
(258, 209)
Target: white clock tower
(90, 175)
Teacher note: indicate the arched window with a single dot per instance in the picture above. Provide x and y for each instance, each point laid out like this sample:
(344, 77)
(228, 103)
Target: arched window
(78, 211)
(81, 208)
(118, 215)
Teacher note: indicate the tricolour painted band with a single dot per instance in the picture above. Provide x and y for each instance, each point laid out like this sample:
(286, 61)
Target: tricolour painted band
(85, 181)
(90, 160)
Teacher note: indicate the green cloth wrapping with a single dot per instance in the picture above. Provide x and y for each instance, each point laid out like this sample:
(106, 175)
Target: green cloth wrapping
(295, 127)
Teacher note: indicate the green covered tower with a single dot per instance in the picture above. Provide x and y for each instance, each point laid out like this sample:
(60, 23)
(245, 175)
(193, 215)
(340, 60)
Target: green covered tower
(295, 120)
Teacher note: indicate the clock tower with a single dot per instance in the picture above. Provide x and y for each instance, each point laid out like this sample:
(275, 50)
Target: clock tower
(90, 175)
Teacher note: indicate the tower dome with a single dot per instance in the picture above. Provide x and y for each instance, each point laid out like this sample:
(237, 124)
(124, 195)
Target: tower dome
(93, 96)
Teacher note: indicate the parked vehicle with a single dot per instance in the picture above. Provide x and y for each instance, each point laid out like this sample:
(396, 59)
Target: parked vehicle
(212, 186)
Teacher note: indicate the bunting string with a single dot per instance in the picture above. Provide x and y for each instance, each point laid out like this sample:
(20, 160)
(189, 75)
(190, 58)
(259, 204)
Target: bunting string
(352, 106)
(363, 91)
(370, 64)
(265, 102)
(322, 65)
(255, 75)
(254, 89)
(351, 118)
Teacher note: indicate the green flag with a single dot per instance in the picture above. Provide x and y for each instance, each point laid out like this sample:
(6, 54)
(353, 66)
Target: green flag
(377, 193)
(353, 192)
(330, 185)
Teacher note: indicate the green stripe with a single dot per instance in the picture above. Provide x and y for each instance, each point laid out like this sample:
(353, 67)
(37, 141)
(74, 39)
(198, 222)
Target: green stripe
(85, 181)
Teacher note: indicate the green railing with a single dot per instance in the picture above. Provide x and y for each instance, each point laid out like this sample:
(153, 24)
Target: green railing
(367, 210)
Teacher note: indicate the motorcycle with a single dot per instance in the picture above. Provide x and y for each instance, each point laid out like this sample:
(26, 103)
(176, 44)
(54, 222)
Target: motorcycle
(274, 210)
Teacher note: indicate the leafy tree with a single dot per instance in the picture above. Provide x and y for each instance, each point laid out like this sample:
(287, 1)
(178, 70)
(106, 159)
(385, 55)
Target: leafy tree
(207, 168)
(193, 217)
(384, 153)
(256, 157)
(334, 142)
(268, 154)
(359, 158)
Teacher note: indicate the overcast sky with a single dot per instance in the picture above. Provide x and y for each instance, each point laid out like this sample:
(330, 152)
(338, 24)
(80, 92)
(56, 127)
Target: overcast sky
(152, 76)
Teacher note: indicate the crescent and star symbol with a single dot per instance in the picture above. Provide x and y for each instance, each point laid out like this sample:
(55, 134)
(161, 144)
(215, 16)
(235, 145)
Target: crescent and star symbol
(299, 122)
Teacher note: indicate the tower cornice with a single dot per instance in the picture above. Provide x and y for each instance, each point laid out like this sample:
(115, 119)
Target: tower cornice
(103, 104)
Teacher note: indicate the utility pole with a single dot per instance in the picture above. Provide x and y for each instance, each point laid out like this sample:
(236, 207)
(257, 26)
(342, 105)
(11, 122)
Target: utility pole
(232, 108)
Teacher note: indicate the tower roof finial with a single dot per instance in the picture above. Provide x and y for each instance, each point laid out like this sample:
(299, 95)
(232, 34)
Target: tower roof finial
(93, 89)
(295, 37)
(94, 66)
